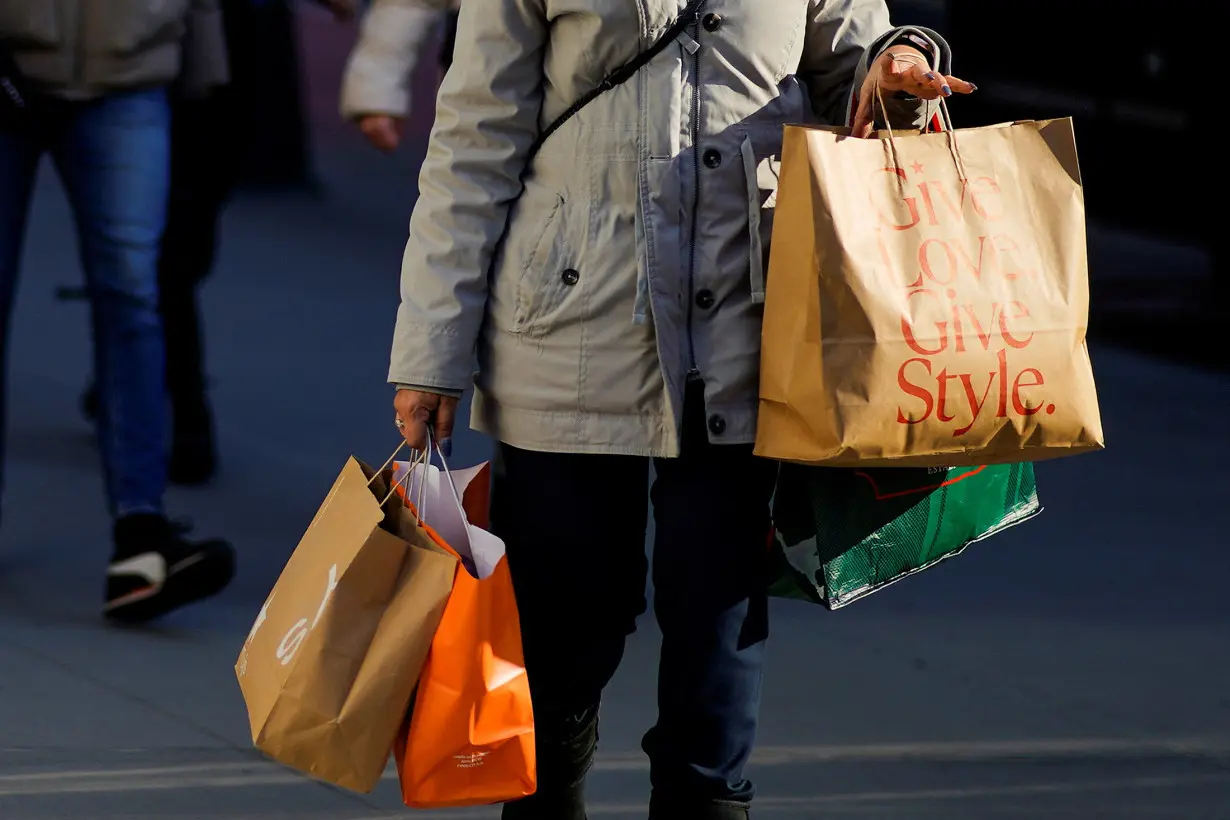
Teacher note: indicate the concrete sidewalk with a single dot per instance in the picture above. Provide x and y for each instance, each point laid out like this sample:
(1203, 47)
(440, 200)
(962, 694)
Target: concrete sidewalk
(1072, 668)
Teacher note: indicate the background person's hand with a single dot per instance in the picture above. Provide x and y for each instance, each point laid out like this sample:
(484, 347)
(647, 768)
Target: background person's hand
(382, 131)
(417, 409)
(902, 69)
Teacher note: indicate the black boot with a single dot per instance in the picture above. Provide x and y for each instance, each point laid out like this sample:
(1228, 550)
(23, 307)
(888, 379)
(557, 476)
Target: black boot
(662, 808)
(565, 749)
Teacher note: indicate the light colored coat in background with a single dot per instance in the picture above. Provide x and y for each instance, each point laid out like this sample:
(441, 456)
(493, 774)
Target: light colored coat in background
(657, 195)
(392, 37)
(83, 49)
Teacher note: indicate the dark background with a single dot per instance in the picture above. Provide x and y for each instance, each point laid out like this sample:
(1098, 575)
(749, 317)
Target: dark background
(1136, 88)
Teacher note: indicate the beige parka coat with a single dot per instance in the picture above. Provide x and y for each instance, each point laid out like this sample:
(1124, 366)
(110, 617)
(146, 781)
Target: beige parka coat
(635, 250)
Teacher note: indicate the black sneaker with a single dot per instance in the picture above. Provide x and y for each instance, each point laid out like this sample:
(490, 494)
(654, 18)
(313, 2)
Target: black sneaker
(155, 569)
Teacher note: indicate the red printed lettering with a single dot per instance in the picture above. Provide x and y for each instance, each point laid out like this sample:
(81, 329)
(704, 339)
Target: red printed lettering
(1037, 381)
(914, 390)
(975, 403)
(1020, 311)
(888, 212)
(950, 322)
(911, 337)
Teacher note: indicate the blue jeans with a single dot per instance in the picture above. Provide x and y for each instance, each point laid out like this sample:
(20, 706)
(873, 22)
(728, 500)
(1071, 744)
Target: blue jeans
(113, 156)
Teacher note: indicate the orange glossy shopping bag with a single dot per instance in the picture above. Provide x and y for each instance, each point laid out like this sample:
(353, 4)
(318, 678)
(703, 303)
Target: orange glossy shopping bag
(469, 738)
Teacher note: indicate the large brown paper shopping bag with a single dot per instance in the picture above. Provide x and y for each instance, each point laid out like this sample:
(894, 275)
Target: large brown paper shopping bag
(330, 665)
(469, 739)
(927, 300)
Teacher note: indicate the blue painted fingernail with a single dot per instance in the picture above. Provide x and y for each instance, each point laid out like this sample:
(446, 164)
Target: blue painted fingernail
(973, 87)
(446, 447)
(929, 75)
(946, 91)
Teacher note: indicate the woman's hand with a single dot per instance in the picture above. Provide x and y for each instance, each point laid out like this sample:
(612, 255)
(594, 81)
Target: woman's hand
(902, 68)
(416, 410)
(382, 131)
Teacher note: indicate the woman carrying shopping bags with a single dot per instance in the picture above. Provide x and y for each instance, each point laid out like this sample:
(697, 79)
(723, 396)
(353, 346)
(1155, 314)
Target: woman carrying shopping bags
(611, 286)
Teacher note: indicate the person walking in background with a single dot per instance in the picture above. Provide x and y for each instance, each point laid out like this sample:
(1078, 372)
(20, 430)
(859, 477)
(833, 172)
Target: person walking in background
(207, 149)
(612, 287)
(211, 134)
(392, 39)
(95, 79)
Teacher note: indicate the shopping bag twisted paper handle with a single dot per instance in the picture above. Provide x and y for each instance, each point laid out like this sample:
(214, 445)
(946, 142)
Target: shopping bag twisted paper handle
(945, 116)
(433, 442)
(950, 133)
(422, 458)
(419, 458)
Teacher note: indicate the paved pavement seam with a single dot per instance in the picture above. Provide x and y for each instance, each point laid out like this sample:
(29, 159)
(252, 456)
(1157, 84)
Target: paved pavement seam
(171, 715)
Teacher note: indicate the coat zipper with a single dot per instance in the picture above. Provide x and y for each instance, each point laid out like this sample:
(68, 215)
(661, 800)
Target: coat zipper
(693, 367)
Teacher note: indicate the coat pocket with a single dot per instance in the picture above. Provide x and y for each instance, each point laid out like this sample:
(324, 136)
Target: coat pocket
(545, 277)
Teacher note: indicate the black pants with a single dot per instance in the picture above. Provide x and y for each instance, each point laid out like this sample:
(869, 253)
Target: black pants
(211, 152)
(205, 162)
(575, 530)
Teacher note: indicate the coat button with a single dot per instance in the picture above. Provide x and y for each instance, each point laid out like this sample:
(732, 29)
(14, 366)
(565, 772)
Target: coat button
(712, 158)
(704, 299)
(570, 277)
(717, 424)
(712, 22)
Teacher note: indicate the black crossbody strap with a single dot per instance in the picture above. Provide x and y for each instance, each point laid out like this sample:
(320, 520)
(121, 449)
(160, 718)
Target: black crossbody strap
(624, 73)
(10, 92)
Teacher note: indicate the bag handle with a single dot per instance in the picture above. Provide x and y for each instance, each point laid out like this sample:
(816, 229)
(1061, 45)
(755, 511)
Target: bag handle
(433, 443)
(419, 457)
(950, 133)
(11, 95)
(622, 74)
(422, 458)
(946, 117)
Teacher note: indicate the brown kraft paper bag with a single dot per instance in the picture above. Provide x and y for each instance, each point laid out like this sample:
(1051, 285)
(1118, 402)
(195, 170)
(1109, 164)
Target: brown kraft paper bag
(927, 300)
(330, 665)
